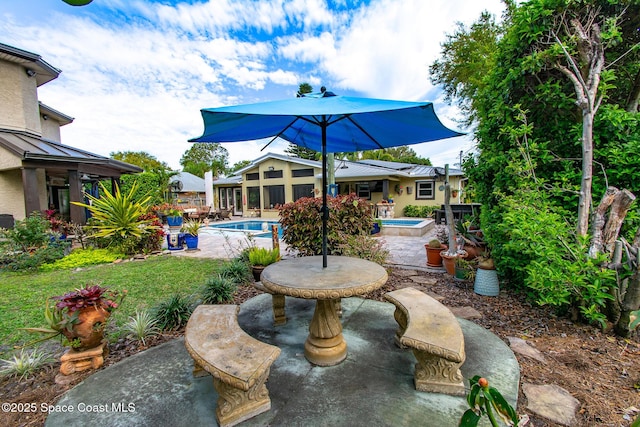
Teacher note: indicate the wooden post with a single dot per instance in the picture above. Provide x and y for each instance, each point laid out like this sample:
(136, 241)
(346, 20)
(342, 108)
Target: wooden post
(275, 239)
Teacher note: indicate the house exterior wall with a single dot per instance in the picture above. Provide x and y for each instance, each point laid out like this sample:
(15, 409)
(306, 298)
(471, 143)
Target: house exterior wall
(50, 129)
(11, 193)
(287, 180)
(403, 190)
(9, 160)
(19, 109)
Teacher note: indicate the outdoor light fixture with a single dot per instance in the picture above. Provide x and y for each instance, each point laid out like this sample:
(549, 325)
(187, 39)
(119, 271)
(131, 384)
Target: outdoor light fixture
(45, 117)
(30, 72)
(271, 168)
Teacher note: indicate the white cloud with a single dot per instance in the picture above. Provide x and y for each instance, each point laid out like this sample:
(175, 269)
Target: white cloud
(136, 73)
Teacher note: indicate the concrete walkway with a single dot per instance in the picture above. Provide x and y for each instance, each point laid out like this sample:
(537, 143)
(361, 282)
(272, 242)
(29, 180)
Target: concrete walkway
(372, 387)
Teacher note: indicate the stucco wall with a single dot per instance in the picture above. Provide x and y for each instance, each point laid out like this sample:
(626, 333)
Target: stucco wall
(50, 129)
(11, 195)
(9, 160)
(19, 108)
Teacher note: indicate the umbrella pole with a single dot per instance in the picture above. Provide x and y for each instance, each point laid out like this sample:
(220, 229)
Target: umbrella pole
(325, 208)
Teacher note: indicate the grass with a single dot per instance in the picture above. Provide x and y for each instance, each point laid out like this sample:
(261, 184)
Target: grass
(23, 295)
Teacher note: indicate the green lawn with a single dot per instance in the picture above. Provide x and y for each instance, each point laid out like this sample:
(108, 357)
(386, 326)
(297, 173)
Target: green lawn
(22, 296)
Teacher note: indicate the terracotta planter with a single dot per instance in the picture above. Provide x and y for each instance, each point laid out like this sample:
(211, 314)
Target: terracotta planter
(89, 331)
(449, 261)
(433, 255)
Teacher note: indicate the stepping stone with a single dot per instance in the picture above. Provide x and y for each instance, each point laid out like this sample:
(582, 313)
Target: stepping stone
(520, 346)
(552, 402)
(424, 280)
(405, 273)
(466, 312)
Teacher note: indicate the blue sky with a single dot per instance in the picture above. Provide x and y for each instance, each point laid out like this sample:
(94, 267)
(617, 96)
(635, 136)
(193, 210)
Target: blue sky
(135, 73)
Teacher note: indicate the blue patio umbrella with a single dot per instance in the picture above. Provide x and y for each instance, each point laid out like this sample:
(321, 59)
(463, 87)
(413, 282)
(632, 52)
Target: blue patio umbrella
(327, 123)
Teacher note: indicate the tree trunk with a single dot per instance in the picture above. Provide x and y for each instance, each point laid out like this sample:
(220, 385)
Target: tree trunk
(448, 213)
(599, 222)
(619, 208)
(584, 202)
(631, 302)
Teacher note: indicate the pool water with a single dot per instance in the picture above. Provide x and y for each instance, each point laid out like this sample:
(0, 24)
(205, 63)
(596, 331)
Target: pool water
(402, 222)
(255, 228)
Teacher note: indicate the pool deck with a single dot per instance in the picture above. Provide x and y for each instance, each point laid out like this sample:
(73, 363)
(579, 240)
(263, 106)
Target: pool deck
(404, 250)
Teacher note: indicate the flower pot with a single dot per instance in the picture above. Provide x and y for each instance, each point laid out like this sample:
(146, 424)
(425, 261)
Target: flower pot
(376, 228)
(257, 271)
(175, 241)
(486, 283)
(174, 221)
(433, 255)
(449, 261)
(191, 241)
(89, 331)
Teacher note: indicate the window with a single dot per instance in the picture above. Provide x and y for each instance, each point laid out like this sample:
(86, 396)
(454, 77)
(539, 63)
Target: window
(302, 190)
(253, 197)
(362, 190)
(425, 190)
(297, 173)
(273, 195)
(253, 176)
(272, 174)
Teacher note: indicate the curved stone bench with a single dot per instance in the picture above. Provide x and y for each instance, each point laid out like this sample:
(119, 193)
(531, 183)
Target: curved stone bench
(238, 362)
(433, 333)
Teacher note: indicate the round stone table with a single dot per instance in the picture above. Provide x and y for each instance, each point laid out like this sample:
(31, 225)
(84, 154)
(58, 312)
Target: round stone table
(305, 277)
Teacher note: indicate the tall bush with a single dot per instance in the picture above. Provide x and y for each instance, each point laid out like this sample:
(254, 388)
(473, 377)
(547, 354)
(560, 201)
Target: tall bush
(302, 223)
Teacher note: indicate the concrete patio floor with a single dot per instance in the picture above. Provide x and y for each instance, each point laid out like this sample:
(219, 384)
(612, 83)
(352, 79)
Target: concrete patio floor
(372, 387)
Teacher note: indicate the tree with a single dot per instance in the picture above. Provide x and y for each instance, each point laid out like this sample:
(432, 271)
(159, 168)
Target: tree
(141, 159)
(239, 165)
(203, 157)
(534, 96)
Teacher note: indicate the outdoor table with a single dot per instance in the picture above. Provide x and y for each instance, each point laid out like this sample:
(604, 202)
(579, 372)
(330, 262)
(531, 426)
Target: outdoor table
(305, 277)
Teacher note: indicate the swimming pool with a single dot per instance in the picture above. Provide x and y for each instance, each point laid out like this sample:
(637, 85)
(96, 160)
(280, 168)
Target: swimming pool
(390, 227)
(406, 227)
(256, 228)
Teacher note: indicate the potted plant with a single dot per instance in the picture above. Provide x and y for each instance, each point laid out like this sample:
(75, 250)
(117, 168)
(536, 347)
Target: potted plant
(433, 248)
(486, 280)
(259, 258)
(80, 316)
(377, 226)
(174, 216)
(465, 269)
(191, 229)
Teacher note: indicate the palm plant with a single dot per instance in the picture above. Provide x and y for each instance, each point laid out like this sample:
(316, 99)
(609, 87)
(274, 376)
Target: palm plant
(118, 216)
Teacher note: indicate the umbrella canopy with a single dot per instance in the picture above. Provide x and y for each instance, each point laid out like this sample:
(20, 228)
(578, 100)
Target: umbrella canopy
(327, 123)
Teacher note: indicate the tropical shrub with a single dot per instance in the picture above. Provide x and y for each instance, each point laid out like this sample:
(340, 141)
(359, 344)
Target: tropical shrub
(31, 232)
(174, 312)
(141, 326)
(116, 218)
(263, 256)
(365, 247)
(17, 260)
(539, 251)
(301, 220)
(236, 270)
(25, 363)
(218, 289)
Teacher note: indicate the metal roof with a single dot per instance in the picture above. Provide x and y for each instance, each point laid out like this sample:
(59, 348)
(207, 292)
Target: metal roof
(190, 182)
(31, 147)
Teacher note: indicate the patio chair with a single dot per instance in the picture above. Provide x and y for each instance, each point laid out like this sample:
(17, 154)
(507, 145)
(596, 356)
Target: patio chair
(225, 214)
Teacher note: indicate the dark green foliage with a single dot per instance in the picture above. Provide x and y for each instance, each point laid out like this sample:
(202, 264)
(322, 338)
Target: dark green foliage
(302, 223)
(174, 312)
(237, 270)
(218, 289)
(16, 261)
(30, 232)
(148, 184)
